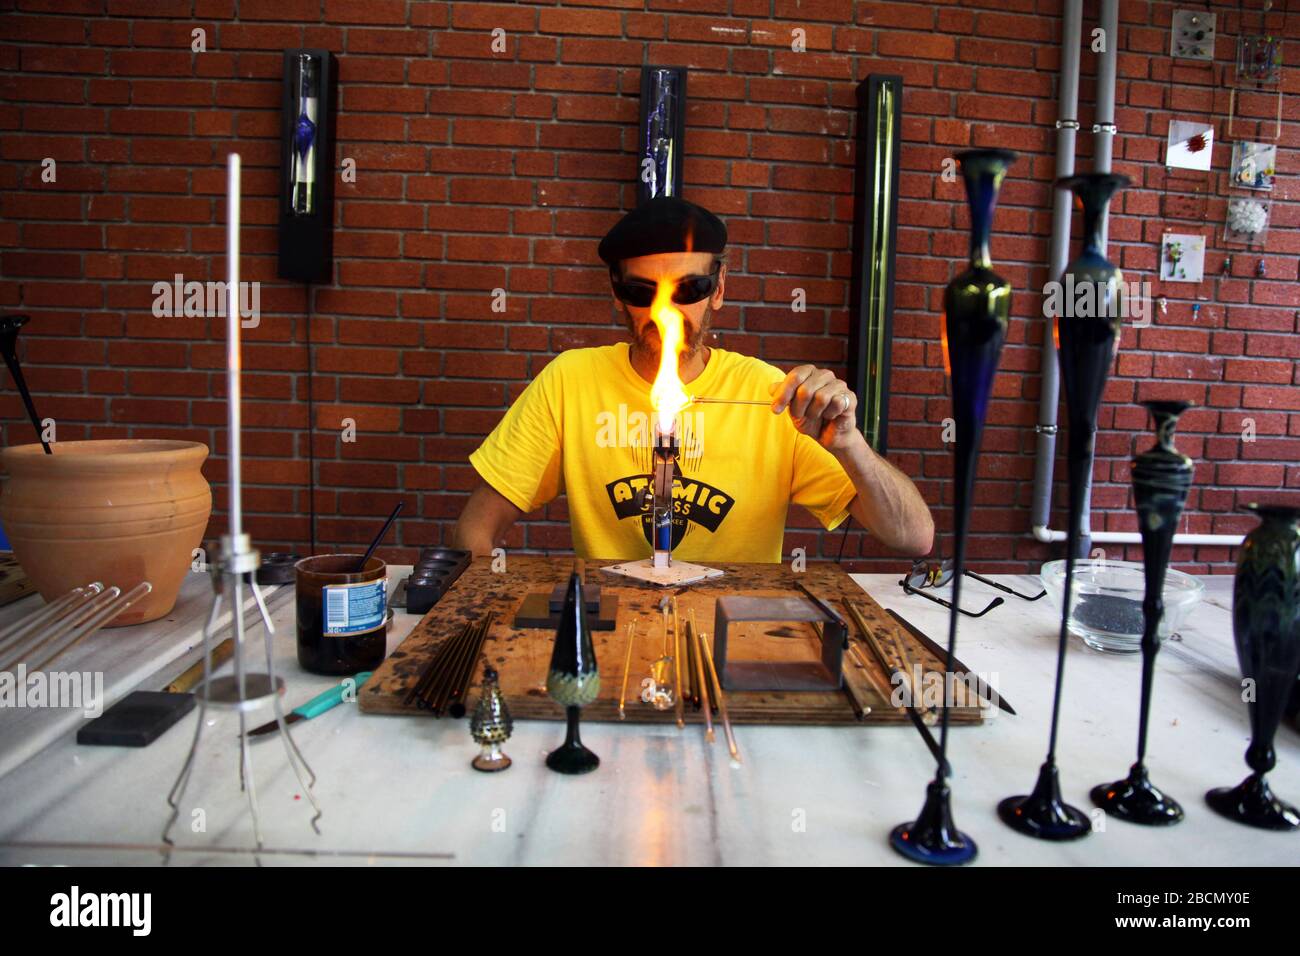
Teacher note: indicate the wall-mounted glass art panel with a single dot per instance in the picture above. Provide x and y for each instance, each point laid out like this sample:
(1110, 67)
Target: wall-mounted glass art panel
(1192, 36)
(1182, 257)
(1259, 60)
(1190, 144)
(1254, 165)
(1247, 221)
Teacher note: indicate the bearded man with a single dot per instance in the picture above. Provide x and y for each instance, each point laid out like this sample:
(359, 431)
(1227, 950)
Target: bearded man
(584, 427)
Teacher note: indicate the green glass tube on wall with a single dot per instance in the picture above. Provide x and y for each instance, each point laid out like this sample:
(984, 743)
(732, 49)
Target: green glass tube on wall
(874, 246)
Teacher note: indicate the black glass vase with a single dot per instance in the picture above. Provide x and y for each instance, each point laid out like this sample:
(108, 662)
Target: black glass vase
(1266, 628)
(1161, 479)
(977, 309)
(1293, 710)
(1087, 334)
(573, 680)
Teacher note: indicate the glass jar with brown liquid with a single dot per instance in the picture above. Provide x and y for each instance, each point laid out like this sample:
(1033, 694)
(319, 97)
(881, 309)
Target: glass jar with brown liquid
(342, 613)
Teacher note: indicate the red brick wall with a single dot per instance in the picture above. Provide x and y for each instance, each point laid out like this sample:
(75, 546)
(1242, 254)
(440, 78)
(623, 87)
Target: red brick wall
(479, 170)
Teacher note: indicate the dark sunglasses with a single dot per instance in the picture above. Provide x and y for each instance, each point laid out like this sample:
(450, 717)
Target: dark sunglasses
(936, 574)
(690, 289)
(932, 574)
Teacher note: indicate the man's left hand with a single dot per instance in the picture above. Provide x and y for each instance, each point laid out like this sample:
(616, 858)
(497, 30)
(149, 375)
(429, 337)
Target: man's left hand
(820, 404)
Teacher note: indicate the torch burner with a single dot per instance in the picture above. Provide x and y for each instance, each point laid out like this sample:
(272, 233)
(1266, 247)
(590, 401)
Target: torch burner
(665, 462)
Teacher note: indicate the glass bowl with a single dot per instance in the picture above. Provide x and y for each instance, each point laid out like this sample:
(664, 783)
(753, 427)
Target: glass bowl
(1106, 610)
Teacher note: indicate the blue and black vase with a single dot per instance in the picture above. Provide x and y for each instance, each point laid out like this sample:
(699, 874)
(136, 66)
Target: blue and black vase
(1087, 336)
(1266, 628)
(977, 310)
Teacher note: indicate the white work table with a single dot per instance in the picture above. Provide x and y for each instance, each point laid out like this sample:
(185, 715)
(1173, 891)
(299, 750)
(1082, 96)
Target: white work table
(400, 789)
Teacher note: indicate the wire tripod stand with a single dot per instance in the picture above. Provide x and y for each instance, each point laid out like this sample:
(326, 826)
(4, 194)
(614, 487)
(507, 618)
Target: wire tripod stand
(236, 569)
(242, 691)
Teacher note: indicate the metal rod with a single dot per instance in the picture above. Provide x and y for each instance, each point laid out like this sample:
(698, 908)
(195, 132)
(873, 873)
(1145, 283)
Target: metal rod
(177, 791)
(416, 693)
(896, 673)
(858, 659)
(729, 401)
(236, 510)
(690, 655)
(460, 687)
(722, 701)
(296, 760)
(694, 635)
(865, 633)
(168, 848)
(246, 780)
(627, 665)
(680, 700)
(438, 664)
(1049, 389)
(914, 669)
(821, 605)
(461, 657)
(439, 695)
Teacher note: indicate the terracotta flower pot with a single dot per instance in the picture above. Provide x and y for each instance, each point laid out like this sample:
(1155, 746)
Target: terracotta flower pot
(116, 511)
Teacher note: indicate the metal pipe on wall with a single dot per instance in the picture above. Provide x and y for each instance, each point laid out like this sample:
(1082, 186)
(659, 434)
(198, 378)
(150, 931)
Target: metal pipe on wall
(1104, 134)
(1103, 138)
(1132, 537)
(1067, 124)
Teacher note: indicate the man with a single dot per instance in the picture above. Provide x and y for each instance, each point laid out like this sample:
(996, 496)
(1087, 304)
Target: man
(585, 427)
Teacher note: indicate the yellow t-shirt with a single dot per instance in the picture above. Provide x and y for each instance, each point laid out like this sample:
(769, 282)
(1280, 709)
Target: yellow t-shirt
(584, 427)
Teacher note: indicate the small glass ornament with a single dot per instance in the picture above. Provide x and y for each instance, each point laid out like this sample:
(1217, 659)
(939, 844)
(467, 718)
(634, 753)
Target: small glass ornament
(491, 725)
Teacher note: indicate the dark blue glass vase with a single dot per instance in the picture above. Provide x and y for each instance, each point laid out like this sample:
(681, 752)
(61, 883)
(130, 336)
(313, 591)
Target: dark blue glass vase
(977, 309)
(1161, 479)
(1086, 340)
(1266, 628)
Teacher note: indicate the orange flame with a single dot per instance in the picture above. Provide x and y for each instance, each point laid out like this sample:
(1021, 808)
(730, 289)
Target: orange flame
(668, 395)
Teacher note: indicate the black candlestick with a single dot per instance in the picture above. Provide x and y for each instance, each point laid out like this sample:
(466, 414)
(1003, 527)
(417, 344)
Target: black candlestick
(977, 308)
(1161, 480)
(573, 680)
(1086, 338)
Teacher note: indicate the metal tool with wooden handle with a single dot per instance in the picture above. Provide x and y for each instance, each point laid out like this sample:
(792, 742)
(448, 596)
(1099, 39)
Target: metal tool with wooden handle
(981, 687)
(895, 674)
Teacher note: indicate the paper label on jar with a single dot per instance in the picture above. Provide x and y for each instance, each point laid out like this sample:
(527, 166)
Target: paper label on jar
(352, 609)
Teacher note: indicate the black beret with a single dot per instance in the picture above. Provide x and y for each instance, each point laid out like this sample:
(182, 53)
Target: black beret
(663, 224)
